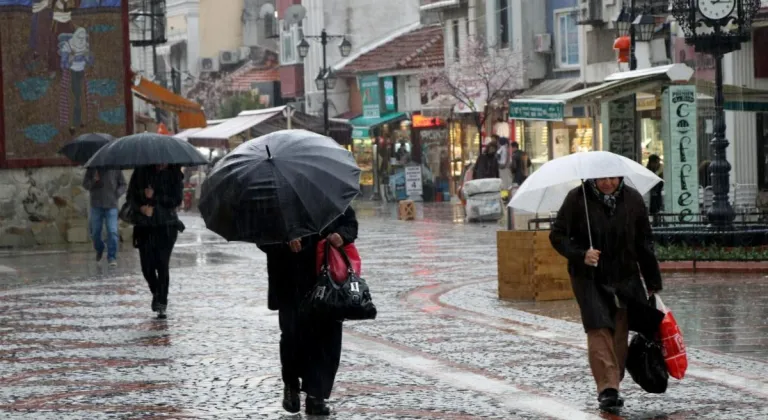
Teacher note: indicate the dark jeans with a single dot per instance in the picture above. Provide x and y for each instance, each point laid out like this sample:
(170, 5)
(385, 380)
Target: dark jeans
(310, 351)
(155, 246)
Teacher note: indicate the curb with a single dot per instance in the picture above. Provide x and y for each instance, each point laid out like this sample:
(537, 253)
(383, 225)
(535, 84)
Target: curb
(715, 266)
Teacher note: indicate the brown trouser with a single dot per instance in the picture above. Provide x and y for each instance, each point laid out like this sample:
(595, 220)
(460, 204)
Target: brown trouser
(608, 352)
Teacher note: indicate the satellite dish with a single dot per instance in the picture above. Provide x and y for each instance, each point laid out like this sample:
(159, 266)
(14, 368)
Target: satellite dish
(267, 10)
(295, 14)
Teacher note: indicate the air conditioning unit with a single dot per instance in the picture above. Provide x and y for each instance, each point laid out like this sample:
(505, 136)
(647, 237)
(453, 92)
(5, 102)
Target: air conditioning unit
(542, 43)
(245, 53)
(591, 12)
(209, 65)
(229, 57)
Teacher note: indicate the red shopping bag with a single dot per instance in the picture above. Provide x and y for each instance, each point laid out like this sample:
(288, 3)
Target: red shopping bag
(336, 264)
(672, 343)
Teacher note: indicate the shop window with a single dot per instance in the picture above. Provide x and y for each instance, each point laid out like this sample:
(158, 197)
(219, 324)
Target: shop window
(534, 137)
(651, 142)
(289, 39)
(567, 38)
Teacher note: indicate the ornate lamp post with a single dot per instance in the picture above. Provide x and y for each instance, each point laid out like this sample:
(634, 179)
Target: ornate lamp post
(717, 27)
(325, 79)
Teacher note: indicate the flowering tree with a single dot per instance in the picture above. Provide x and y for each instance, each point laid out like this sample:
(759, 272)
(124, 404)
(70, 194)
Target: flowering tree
(483, 75)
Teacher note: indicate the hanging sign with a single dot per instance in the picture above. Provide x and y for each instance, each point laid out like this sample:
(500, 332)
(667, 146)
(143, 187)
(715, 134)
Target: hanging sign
(389, 94)
(370, 95)
(681, 152)
(621, 127)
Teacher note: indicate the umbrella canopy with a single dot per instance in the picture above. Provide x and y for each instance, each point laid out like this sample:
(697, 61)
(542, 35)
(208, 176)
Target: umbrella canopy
(85, 146)
(146, 149)
(279, 187)
(545, 190)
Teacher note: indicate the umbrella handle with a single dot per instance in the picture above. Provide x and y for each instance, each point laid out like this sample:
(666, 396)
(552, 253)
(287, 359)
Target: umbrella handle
(586, 211)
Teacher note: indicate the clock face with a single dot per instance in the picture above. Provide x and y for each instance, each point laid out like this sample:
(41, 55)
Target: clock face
(716, 9)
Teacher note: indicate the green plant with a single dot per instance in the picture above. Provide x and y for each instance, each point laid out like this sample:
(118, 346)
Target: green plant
(238, 103)
(710, 253)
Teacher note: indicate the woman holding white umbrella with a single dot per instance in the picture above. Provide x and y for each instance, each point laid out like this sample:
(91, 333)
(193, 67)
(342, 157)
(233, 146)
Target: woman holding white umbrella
(602, 228)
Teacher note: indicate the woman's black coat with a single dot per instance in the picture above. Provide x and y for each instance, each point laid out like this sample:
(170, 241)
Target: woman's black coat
(292, 275)
(626, 247)
(168, 196)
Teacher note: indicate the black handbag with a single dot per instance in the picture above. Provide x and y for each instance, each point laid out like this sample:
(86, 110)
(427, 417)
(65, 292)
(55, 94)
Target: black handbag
(126, 214)
(350, 300)
(646, 365)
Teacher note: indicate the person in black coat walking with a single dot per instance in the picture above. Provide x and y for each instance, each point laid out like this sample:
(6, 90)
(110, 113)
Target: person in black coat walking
(310, 349)
(154, 194)
(606, 280)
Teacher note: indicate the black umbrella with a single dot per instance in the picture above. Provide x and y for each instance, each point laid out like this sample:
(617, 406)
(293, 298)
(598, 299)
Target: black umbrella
(146, 149)
(85, 146)
(282, 186)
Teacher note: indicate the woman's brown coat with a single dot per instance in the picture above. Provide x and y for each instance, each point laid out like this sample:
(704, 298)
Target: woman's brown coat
(625, 242)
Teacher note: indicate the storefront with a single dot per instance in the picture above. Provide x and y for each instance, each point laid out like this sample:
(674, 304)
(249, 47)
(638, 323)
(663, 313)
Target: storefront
(431, 135)
(378, 144)
(544, 131)
(464, 144)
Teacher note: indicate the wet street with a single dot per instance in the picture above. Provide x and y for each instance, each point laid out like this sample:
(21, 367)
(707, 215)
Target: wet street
(79, 340)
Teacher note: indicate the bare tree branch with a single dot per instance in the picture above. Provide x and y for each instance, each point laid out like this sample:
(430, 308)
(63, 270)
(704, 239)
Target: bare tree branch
(482, 76)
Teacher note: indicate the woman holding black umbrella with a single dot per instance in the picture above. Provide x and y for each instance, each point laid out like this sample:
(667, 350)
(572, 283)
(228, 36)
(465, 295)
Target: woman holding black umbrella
(154, 194)
(155, 191)
(285, 192)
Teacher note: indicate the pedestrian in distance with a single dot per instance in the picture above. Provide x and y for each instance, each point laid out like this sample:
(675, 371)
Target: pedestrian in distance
(606, 276)
(310, 348)
(105, 188)
(154, 195)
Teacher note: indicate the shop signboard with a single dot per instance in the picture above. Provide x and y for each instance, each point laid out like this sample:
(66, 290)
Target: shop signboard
(413, 182)
(370, 95)
(389, 94)
(537, 110)
(361, 132)
(680, 152)
(622, 127)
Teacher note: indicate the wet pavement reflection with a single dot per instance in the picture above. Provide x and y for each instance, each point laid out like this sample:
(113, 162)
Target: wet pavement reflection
(79, 340)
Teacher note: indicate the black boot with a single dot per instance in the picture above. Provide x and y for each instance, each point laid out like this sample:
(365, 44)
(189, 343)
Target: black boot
(317, 407)
(291, 400)
(610, 399)
(155, 305)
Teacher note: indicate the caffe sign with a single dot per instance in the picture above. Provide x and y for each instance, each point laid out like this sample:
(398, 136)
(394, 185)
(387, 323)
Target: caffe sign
(681, 156)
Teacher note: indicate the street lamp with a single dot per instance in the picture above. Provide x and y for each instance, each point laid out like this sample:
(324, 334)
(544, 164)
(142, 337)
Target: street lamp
(717, 29)
(326, 79)
(644, 25)
(623, 22)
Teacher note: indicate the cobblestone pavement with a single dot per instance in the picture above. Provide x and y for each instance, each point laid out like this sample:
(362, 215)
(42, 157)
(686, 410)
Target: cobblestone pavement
(79, 341)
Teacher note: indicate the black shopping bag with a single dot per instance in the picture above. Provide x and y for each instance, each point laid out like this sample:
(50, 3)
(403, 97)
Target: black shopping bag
(646, 365)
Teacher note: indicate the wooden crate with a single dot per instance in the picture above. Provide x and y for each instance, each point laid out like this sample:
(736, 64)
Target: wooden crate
(406, 210)
(530, 269)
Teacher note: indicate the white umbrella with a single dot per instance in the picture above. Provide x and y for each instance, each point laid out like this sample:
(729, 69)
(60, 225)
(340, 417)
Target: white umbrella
(545, 190)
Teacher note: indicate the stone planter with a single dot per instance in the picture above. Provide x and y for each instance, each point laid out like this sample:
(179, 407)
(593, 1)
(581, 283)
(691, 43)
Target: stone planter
(530, 269)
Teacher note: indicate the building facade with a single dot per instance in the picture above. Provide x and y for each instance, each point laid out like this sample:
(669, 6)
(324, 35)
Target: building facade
(64, 71)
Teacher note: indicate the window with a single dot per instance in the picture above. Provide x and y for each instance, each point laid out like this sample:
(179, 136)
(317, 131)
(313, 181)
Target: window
(567, 38)
(502, 23)
(456, 40)
(289, 39)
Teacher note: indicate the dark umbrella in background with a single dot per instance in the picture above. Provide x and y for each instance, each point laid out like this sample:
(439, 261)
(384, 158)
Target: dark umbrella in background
(85, 146)
(279, 187)
(146, 149)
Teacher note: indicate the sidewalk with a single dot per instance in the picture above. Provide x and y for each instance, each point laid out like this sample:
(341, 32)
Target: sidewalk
(443, 346)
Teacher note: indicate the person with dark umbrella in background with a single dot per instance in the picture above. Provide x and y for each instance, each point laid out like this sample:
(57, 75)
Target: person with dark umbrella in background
(603, 230)
(310, 348)
(105, 188)
(154, 194)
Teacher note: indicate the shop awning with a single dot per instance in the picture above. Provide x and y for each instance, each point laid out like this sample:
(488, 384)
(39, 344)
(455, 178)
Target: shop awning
(617, 85)
(219, 135)
(553, 87)
(190, 113)
(186, 133)
(361, 127)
